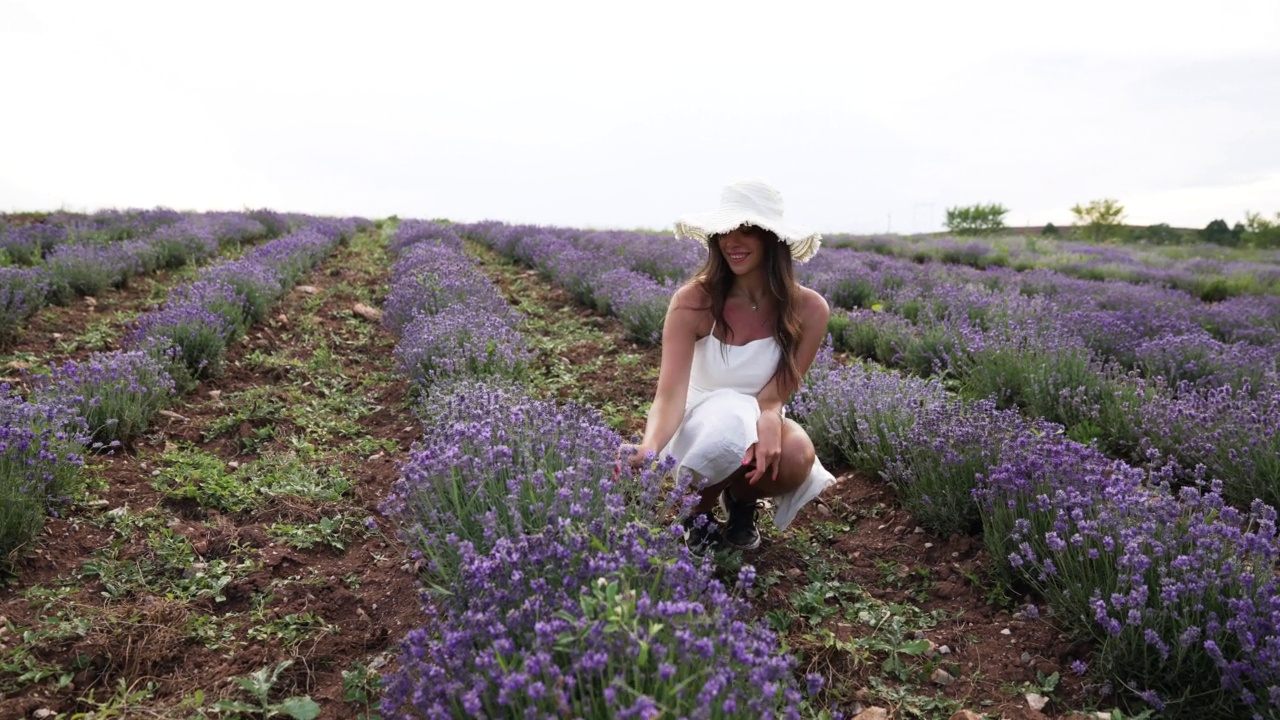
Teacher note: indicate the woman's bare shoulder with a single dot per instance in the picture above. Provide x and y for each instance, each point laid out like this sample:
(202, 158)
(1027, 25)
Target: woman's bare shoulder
(691, 296)
(813, 306)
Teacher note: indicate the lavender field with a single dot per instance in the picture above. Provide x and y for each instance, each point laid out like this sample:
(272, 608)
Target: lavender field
(1066, 483)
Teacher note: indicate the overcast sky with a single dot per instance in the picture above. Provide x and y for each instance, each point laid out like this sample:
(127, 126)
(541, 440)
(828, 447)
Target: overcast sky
(874, 117)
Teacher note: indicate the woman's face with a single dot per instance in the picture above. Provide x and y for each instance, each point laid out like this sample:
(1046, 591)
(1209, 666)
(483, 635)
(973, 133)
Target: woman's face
(743, 249)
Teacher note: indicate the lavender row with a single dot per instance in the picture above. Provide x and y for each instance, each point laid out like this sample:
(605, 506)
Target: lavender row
(1126, 366)
(1176, 589)
(88, 267)
(553, 593)
(449, 320)
(1196, 270)
(112, 397)
(1118, 321)
(627, 274)
(25, 238)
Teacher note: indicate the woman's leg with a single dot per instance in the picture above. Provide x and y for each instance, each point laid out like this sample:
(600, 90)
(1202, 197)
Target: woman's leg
(740, 494)
(793, 467)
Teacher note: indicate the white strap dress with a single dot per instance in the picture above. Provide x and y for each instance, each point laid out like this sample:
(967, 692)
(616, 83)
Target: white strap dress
(720, 417)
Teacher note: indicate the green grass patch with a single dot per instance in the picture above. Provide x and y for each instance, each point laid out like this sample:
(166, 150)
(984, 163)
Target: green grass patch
(208, 481)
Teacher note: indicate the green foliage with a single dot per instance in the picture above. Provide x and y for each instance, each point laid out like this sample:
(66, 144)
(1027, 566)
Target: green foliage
(976, 219)
(1050, 230)
(1261, 232)
(206, 480)
(1159, 234)
(1100, 219)
(258, 685)
(334, 532)
(1218, 233)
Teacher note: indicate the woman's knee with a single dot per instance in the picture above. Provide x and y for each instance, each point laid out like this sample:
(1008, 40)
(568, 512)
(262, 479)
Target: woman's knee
(796, 445)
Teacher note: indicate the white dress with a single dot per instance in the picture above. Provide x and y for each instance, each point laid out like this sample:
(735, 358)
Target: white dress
(720, 417)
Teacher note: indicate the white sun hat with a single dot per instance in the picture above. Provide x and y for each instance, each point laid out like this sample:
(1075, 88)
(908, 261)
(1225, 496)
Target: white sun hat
(749, 202)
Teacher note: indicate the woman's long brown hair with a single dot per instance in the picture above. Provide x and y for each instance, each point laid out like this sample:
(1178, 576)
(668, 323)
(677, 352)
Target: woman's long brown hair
(716, 279)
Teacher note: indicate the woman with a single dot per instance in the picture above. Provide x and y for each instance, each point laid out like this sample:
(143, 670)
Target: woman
(736, 341)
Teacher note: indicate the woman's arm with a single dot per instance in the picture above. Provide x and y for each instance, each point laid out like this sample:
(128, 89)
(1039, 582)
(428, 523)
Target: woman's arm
(814, 314)
(679, 333)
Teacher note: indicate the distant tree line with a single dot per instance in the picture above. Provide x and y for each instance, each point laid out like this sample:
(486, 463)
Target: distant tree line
(1103, 221)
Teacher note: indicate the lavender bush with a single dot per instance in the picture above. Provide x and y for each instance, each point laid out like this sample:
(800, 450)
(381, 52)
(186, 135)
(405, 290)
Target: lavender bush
(40, 463)
(89, 269)
(495, 463)
(428, 278)
(570, 624)
(27, 244)
(936, 461)
(1234, 435)
(639, 301)
(189, 241)
(859, 413)
(461, 340)
(190, 341)
(1178, 592)
(22, 292)
(117, 393)
(257, 286)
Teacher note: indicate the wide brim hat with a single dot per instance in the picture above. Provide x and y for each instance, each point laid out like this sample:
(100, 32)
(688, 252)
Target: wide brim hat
(749, 202)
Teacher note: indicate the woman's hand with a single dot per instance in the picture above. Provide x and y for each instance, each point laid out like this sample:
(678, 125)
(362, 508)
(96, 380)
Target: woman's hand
(767, 450)
(632, 455)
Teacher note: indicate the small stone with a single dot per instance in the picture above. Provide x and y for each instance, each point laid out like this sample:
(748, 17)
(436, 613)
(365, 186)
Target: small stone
(43, 713)
(930, 649)
(368, 313)
(282, 319)
(1006, 631)
(118, 512)
(944, 650)
(1036, 701)
(307, 289)
(794, 572)
(171, 414)
(928, 546)
(873, 713)
(155, 473)
(918, 531)
(215, 394)
(824, 511)
(1026, 658)
(233, 464)
(900, 530)
(941, 677)
(90, 300)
